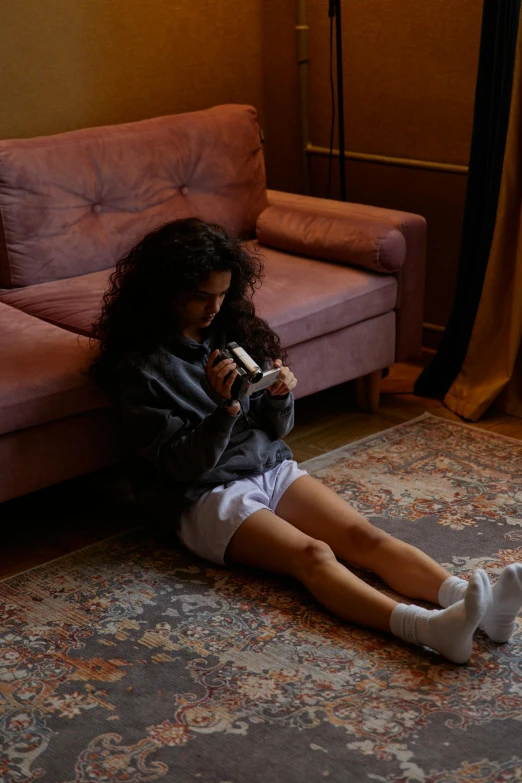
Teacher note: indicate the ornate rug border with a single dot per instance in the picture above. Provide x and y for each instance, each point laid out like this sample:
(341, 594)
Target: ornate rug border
(72, 553)
(322, 460)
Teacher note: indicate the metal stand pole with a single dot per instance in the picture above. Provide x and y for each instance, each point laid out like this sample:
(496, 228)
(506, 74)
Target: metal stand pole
(334, 9)
(302, 66)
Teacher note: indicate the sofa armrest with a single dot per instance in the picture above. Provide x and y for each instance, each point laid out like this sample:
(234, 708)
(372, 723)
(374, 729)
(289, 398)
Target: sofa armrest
(332, 236)
(382, 248)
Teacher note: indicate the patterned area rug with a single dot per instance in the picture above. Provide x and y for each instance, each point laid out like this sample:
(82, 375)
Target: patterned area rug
(133, 661)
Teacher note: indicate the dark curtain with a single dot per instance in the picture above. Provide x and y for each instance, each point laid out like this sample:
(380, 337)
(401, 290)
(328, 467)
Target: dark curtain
(490, 123)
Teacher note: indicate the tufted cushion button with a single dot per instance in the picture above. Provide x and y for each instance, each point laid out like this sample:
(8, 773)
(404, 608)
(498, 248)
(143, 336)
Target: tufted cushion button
(184, 190)
(97, 208)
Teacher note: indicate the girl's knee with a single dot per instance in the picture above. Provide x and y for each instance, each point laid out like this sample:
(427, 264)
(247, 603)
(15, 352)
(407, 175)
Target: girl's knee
(313, 556)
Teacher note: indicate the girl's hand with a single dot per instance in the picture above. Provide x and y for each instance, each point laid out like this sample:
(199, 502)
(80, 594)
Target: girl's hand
(216, 376)
(285, 383)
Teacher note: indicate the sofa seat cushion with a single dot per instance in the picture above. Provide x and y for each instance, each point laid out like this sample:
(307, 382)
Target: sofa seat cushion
(303, 298)
(72, 303)
(41, 378)
(300, 298)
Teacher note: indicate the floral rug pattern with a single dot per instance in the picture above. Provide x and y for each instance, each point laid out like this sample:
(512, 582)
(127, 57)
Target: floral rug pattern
(134, 661)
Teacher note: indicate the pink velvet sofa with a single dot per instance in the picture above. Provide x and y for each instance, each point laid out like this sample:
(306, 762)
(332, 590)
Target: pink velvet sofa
(343, 282)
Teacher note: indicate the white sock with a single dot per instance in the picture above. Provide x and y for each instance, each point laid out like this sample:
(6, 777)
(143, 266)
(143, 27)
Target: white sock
(452, 590)
(448, 631)
(506, 601)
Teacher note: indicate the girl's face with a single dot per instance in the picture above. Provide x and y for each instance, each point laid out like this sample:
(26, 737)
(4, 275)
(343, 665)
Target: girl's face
(198, 312)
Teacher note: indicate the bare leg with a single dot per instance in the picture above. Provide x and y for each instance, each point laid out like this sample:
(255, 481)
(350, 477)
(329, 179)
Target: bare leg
(268, 542)
(317, 511)
(264, 540)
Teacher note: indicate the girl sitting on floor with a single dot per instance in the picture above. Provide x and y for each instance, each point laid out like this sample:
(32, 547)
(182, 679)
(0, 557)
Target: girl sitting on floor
(219, 470)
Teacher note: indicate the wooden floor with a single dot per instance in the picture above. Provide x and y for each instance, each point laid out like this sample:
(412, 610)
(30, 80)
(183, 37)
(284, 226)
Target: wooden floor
(48, 524)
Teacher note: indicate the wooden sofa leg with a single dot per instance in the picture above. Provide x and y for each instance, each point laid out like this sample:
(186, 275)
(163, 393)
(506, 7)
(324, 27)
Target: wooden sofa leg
(368, 389)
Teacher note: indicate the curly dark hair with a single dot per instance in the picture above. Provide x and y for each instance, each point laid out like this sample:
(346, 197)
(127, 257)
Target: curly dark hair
(176, 259)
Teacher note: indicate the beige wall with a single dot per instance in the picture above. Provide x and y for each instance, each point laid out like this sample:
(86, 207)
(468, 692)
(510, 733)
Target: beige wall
(67, 64)
(410, 72)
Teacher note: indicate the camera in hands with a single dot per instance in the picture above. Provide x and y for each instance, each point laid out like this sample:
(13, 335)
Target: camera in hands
(250, 377)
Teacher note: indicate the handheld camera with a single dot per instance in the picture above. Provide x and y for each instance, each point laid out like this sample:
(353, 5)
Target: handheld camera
(250, 377)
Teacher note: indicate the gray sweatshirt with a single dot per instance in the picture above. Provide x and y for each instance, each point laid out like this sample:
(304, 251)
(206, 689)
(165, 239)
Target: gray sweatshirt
(183, 441)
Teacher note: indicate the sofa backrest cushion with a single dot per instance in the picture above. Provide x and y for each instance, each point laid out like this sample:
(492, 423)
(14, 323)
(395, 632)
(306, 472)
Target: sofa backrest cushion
(75, 202)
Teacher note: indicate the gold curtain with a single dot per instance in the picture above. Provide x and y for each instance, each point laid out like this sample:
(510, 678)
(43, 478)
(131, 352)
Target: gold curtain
(492, 369)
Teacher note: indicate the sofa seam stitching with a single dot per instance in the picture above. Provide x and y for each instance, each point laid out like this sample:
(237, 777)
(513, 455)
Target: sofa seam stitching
(7, 254)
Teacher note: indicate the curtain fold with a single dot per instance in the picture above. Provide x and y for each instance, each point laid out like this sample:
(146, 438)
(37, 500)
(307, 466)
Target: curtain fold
(493, 98)
(492, 368)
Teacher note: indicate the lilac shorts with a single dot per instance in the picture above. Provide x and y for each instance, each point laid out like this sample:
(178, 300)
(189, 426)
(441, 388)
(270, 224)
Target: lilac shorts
(208, 525)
